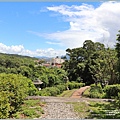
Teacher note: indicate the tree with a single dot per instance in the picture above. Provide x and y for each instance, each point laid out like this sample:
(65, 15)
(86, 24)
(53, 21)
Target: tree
(118, 53)
(73, 66)
(91, 63)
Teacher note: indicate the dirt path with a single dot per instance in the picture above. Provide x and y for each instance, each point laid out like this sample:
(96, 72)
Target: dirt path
(75, 97)
(78, 93)
(58, 107)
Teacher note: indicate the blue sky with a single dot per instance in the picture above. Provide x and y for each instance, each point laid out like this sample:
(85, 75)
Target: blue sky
(49, 28)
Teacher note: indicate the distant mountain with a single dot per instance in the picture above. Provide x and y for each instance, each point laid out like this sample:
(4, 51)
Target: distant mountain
(43, 57)
(16, 55)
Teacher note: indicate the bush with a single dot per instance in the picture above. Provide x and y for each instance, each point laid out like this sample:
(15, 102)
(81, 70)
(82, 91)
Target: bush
(4, 105)
(72, 85)
(52, 91)
(49, 91)
(32, 90)
(29, 112)
(29, 109)
(58, 89)
(112, 91)
(44, 92)
(96, 91)
(13, 90)
(61, 88)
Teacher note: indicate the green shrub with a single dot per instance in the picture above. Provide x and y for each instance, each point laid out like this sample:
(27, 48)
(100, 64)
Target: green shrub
(61, 88)
(49, 91)
(96, 91)
(4, 105)
(58, 89)
(29, 112)
(44, 92)
(32, 90)
(73, 85)
(54, 91)
(14, 89)
(112, 91)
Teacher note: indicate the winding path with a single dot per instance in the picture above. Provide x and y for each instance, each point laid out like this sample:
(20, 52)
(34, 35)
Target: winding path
(58, 107)
(78, 93)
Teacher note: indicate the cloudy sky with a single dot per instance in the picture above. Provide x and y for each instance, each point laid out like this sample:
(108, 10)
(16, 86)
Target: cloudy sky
(49, 28)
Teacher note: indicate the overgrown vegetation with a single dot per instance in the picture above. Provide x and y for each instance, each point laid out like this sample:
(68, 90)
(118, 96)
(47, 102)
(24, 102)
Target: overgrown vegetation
(30, 109)
(92, 64)
(13, 90)
(96, 110)
(109, 91)
(104, 110)
(96, 91)
(54, 91)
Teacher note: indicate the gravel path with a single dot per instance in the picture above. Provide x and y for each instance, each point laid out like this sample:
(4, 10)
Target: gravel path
(59, 110)
(58, 107)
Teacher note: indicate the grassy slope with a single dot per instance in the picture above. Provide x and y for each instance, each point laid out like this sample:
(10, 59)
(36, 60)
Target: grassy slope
(67, 93)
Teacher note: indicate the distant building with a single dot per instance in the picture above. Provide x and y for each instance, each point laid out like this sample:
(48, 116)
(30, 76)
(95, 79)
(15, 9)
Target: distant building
(53, 62)
(56, 62)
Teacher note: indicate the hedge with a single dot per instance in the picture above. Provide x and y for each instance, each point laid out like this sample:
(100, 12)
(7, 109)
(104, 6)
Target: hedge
(112, 91)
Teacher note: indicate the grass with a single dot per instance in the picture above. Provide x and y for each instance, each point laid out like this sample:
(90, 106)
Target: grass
(30, 109)
(86, 93)
(104, 110)
(96, 110)
(67, 93)
(81, 108)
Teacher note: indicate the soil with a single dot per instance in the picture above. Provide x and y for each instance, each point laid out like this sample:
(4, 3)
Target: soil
(78, 93)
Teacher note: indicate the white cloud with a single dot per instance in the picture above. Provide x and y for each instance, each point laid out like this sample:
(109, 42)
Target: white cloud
(87, 23)
(53, 43)
(19, 49)
(50, 52)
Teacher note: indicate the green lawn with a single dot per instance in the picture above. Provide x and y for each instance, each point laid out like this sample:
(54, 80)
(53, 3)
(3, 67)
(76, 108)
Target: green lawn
(86, 93)
(67, 93)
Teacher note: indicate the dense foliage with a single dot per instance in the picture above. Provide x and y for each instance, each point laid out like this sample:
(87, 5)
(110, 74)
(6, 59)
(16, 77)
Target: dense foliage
(30, 68)
(16, 76)
(118, 54)
(13, 90)
(112, 91)
(92, 63)
(58, 89)
(96, 91)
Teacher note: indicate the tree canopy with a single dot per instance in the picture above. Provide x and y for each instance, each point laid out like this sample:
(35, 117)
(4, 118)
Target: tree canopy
(91, 63)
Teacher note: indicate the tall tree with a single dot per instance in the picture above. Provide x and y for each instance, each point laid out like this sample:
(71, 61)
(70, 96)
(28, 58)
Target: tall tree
(118, 53)
(91, 63)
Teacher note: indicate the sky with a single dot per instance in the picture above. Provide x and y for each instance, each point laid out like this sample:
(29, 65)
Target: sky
(39, 29)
